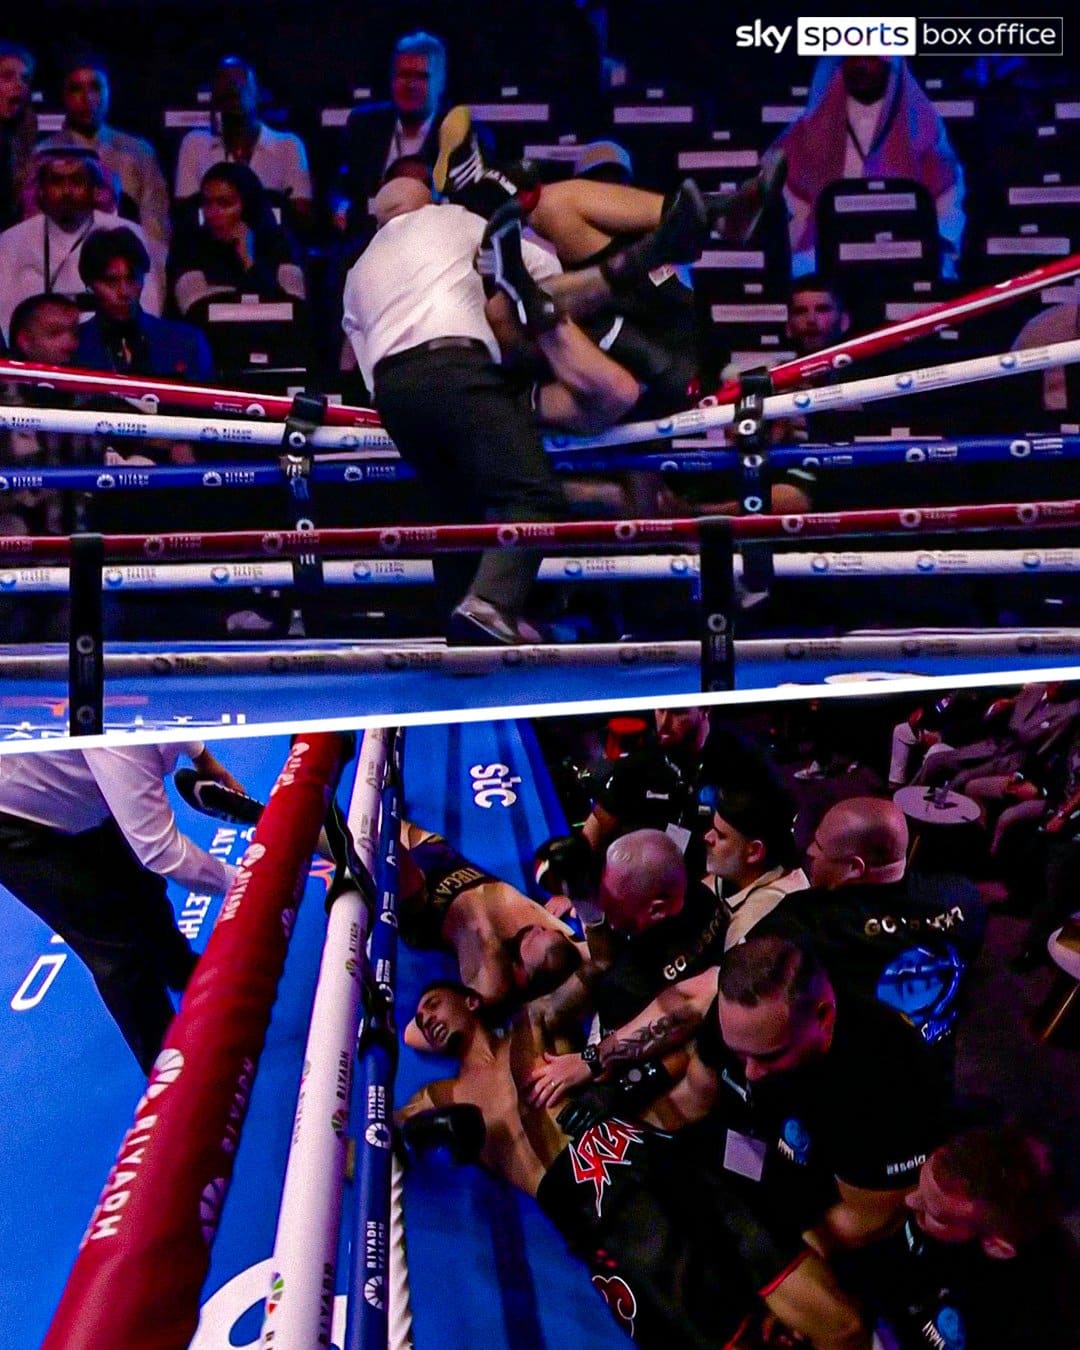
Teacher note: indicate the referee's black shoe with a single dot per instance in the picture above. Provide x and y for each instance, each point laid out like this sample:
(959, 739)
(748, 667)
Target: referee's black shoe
(479, 622)
(499, 261)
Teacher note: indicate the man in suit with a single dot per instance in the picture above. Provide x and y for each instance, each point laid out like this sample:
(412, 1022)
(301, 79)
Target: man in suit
(379, 134)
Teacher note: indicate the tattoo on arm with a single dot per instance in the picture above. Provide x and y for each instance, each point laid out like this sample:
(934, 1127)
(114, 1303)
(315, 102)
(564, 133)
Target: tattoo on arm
(659, 1036)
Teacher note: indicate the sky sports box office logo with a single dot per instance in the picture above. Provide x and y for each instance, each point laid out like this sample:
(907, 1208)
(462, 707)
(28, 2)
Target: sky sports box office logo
(948, 36)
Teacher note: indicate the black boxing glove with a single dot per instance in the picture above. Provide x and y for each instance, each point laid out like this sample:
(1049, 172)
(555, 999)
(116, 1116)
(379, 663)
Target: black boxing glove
(567, 865)
(459, 1129)
(212, 798)
(626, 1095)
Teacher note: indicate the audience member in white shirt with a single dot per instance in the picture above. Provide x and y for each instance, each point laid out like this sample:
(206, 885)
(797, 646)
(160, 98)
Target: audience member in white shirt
(85, 97)
(237, 134)
(41, 255)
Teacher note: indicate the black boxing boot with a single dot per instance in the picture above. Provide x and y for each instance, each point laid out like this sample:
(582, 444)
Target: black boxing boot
(734, 216)
(463, 176)
(499, 261)
(679, 238)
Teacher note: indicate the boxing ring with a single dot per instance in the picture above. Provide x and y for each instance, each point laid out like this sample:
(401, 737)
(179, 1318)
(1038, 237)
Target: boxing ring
(484, 1266)
(716, 559)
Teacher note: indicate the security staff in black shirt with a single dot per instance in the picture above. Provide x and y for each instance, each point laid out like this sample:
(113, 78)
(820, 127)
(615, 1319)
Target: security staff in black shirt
(822, 1110)
(882, 932)
(982, 1260)
(656, 786)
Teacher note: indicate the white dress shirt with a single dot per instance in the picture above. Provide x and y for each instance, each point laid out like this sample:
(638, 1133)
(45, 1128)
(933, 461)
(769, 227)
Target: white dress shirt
(76, 790)
(416, 282)
(278, 160)
(25, 249)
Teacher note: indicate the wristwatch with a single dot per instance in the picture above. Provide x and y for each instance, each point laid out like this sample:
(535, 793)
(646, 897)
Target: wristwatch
(591, 1056)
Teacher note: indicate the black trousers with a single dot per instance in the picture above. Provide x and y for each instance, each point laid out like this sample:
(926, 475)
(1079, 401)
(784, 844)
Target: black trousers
(467, 429)
(112, 912)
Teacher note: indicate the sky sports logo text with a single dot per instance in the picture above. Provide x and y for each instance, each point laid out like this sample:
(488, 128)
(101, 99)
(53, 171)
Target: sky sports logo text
(947, 36)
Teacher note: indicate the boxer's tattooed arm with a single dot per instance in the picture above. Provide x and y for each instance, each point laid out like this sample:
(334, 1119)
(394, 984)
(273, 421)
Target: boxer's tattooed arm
(654, 1039)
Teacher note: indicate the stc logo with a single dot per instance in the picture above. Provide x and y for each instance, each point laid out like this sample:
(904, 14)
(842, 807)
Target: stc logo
(493, 785)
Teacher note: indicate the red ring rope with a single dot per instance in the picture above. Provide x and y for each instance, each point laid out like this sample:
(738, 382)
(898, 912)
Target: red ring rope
(784, 376)
(137, 1278)
(420, 540)
(274, 407)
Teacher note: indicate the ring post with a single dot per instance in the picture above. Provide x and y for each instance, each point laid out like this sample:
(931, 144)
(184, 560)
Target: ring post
(369, 1302)
(755, 471)
(136, 1280)
(305, 417)
(86, 661)
(717, 604)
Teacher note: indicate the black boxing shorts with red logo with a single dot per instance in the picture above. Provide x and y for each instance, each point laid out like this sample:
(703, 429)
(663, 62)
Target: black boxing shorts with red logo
(658, 1244)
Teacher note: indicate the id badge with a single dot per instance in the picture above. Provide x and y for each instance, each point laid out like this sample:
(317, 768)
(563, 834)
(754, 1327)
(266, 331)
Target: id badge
(744, 1155)
(680, 835)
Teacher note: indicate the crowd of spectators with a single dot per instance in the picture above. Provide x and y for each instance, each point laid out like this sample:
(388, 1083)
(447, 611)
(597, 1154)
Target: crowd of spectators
(800, 978)
(240, 234)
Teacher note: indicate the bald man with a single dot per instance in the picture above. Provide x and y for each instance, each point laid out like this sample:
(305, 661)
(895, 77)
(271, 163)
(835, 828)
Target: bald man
(882, 931)
(662, 927)
(414, 313)
(421, 327)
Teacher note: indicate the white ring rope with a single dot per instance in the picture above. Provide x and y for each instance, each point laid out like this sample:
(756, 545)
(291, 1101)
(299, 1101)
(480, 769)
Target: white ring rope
(275, 659)
(605, 569)
(800, 403)
(298, 1308)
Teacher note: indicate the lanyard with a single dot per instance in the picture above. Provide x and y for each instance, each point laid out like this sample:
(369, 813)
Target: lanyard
(50, 276)
(883, 126)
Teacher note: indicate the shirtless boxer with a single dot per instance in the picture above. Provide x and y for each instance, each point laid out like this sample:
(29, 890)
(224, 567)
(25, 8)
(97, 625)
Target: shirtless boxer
(676, 1268)
(621, 247)
(507, 946)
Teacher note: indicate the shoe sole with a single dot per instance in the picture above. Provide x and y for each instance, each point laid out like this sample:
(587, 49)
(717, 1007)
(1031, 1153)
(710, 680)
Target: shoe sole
(465, 630)
(454, 131)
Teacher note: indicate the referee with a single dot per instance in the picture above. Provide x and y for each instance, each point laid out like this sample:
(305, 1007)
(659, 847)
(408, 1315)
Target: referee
(414, 312)
(87, 840)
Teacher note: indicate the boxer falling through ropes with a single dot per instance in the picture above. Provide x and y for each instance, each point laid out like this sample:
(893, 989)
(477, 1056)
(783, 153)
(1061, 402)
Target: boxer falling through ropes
(621, 246)
(507, 946)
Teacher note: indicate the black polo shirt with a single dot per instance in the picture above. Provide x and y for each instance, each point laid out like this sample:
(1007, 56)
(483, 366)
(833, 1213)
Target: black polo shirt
(952, 1296)
(908, 944)
(672, 950)
(868, 1112)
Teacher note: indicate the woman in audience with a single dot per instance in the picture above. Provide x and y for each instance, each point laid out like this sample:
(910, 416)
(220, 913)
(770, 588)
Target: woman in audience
(237, 249)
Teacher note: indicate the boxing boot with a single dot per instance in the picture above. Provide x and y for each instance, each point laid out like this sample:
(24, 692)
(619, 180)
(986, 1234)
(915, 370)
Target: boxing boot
(679, 238)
